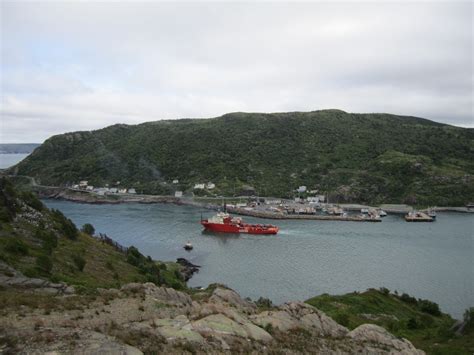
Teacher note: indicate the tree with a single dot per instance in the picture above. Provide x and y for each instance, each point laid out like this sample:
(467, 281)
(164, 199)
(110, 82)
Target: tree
(88, 229)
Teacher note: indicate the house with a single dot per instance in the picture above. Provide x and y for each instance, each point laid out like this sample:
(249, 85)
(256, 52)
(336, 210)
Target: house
(76, 186)
(101, 190)
(210, 185)
(313, 191)
(113, 190)
(175, 181)
(132, 191)
(321, 198)
(89, 188)
(272, 201)
(83, 183)
(297, 199)
(178, 194)
(312, 199)
(301, 189)
(122, 191)
(199, 187)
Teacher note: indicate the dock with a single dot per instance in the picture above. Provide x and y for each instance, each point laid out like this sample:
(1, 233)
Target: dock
(276, 215)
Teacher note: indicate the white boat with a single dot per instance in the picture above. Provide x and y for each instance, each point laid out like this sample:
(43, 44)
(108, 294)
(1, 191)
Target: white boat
(364, 211)
(382, 213)
(188, 246)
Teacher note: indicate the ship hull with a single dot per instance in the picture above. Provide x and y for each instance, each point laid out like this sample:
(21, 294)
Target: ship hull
(236, 229)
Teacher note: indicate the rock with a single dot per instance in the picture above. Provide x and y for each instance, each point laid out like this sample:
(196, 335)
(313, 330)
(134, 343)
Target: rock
(218, 324)
(377, 335)
(9, 277)
(280, 320)
(257, 333)
(232, 298)
(188, 268)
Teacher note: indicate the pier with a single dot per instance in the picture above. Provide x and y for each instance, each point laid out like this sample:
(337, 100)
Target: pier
(276, 215)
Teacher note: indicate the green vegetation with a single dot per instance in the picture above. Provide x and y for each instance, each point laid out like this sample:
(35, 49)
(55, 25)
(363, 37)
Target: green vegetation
(46, 244)
(420, 321)
(373, 158)
(88, 229)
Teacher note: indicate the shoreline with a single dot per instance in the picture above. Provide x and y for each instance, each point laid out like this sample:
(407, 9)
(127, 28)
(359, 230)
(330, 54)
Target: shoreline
(76, 196)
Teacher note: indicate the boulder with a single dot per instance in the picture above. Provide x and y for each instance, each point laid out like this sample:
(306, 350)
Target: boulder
(222, 295)
(371, 333)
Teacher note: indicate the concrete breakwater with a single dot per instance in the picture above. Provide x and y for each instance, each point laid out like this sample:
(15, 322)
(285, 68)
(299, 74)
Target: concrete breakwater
(276, 215)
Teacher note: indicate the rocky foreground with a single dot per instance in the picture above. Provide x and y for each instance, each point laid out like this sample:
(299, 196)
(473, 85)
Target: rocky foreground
(144, 318)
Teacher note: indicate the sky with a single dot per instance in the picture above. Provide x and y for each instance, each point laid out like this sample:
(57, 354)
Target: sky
(84, 65)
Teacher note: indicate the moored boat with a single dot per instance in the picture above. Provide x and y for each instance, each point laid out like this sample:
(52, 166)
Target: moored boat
(223, 223)
(417, 216)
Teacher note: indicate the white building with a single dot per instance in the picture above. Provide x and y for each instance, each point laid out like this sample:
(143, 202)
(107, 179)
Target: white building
(101, 190)
(89, 188)
(210, 185)
(132, 191)
(301, 189)
(313, 199)
(321, 198)
(199, 187)
(113, 190)
(272, 201)
(83, 183)
(178, 194)
(175, 181)
(122, 191)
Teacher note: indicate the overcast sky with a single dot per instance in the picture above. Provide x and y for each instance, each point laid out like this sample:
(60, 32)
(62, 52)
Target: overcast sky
(84, 65)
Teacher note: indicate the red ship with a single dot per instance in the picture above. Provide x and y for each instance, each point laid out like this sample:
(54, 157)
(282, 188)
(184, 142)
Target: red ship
(224, 223)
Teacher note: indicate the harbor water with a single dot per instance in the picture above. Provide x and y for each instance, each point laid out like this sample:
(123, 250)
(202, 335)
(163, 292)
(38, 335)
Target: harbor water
(307, 258)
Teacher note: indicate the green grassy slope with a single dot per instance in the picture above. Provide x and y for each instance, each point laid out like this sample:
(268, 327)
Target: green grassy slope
(45, 244)
(354, 157)
(420, 321)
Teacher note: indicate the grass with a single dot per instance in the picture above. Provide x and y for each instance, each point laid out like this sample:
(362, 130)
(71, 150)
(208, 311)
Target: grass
(427, 332)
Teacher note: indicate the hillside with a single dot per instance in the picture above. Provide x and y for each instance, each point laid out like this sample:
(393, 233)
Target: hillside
(42, 243)
(369, 158)
(418, 320)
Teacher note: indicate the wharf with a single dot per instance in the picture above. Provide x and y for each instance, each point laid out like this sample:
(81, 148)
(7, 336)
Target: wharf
(275, 215)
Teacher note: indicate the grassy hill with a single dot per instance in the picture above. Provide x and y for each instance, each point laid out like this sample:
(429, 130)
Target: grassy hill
(353, 157)
(43, 243)
(420, 321)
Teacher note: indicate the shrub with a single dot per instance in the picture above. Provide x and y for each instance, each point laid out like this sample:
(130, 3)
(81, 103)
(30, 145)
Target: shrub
(264, 302)
(50, 241)
(66, 226)
(342, 318)
(408, 299)
(385, 291)
(32, 200)
(79, 261)
(412, 323)
(16, 246)
(44, 263)
(429, 307)
(88, 229)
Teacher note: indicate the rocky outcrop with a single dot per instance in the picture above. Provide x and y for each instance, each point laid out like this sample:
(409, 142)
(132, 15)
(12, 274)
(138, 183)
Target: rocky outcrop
(378, 336)
(151, 319)
(188, 268)
(11, 278)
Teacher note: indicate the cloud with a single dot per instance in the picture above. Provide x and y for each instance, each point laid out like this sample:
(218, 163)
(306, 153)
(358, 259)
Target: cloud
(82, 65)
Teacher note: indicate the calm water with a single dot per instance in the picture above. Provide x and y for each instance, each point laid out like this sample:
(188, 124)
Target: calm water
(7, 160)
(307, 258)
